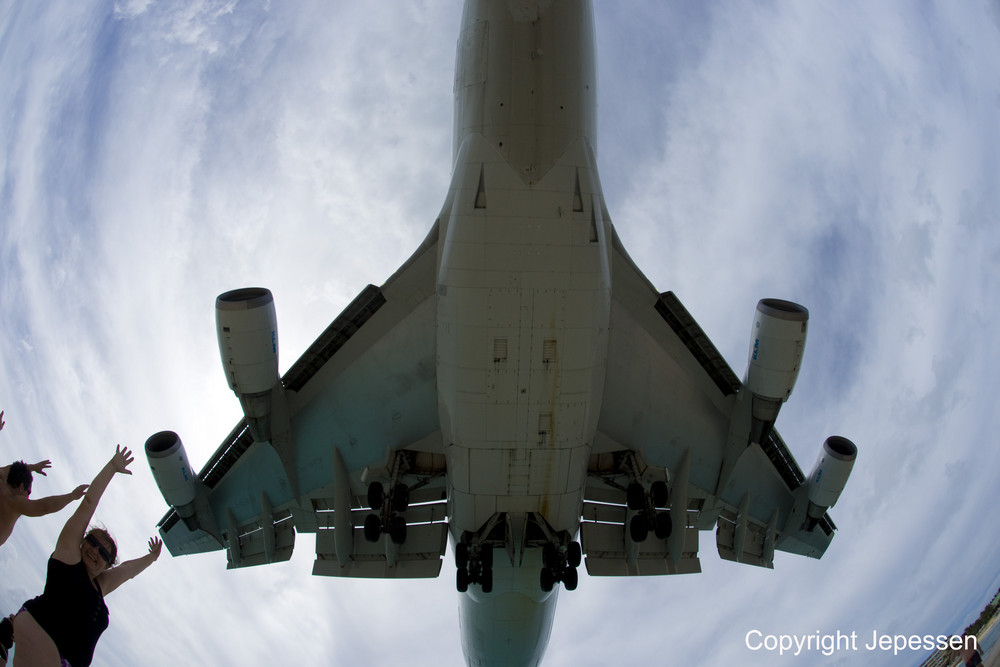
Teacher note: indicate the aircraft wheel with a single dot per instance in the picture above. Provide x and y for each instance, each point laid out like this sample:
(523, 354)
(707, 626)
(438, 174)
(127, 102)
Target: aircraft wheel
(376, 494)
(638, 528)
(659, 493)
(549, 555)
(461, 555)
(570, 578)
(574, 554)
(548, 579)
(635, 496)
(486, 581)
(397, 529)
(373, 528)
(486, 557)
(400, 497)
(462, 580)
(664, 526)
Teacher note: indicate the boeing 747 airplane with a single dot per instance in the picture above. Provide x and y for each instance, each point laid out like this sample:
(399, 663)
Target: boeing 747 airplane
(517, 387)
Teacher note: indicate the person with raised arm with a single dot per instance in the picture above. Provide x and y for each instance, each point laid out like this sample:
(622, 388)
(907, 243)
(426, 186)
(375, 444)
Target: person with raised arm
(62, 625)
(15, 487)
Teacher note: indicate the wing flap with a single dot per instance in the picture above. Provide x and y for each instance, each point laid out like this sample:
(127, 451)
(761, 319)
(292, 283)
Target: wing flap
(609, 555)
(420, 556)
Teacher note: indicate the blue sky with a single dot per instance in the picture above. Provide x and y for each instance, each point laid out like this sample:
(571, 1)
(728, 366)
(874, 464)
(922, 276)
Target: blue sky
(842, 155)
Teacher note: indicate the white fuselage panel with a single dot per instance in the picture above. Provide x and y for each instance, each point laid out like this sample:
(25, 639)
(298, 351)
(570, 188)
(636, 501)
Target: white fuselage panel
(523, 301)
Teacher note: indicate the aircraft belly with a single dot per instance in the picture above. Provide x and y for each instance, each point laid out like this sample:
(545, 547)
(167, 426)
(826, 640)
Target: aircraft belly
(523, 314)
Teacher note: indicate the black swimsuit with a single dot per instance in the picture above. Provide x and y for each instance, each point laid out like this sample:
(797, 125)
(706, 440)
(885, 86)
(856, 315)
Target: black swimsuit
(71, 610)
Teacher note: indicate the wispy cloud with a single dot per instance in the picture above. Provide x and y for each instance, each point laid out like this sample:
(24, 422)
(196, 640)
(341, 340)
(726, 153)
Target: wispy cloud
(156, 155)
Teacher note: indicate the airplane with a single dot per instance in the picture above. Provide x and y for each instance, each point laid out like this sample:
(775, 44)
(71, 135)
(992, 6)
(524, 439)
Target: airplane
(517, 388)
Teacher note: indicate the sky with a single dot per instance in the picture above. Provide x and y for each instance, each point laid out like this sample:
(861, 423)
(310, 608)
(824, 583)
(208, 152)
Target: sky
(843, 155)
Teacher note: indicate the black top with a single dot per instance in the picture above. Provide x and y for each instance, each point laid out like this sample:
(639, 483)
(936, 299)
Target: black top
(71, 611)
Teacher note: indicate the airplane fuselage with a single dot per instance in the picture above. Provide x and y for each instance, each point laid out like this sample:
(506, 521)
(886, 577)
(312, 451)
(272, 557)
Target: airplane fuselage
(523, 302)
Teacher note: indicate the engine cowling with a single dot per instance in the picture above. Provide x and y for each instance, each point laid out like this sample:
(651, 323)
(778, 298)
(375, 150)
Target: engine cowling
(248, 339)
(248, 344)
(829, 475)
(777, 342)
(173, 474)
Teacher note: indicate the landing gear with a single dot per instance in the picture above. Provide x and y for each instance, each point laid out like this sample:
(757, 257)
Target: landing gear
(519, 538)
(646, 505)
(664, 525)
(559, 564)
(373, 528)
(475, 566)
(389, 510)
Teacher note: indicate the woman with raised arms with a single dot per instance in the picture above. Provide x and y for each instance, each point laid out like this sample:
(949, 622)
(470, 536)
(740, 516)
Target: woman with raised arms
(62, 625)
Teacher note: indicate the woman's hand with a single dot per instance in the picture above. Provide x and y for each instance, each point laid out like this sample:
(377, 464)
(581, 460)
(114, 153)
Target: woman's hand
(40, 467)
(155, 544)
(121, 460)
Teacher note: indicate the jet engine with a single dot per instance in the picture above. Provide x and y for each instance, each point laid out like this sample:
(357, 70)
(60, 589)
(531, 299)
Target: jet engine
(777, 341)
(829, 475)
(248, 343)
(173, 474)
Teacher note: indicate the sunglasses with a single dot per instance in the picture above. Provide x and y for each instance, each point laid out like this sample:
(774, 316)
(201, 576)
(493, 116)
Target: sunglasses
(104, 553)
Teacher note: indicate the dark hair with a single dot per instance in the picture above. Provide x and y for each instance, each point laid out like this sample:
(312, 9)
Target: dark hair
(102, 533)
(19, 475)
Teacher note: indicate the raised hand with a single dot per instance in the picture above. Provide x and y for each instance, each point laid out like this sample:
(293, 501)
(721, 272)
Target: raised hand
(79, 491)
(121, 460)
(155, 544)
(40, 467)
(1, 420)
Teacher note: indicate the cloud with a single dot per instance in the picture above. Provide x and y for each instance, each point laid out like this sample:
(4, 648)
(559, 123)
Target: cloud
(156, 155)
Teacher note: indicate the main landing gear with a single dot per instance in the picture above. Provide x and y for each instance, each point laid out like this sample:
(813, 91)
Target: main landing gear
(645, 503)
(475, 566)
(559, 565)
(511, 535)
(390, 508)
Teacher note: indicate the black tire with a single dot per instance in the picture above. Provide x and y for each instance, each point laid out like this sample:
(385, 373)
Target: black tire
(373, 528)
(570, 578)
(635, 496)
(574, 554)
(486, 581)
(638, 528)
(400, 497)
(397, 529)
(664, 525)
(550, 556)
(376, 494)
(461, 555)
(548, 579)
(660, 494)
(462, 580)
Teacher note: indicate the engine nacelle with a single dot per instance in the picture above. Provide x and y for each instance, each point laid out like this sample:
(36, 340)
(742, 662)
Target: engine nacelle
(829, 475)
(248, 339)
(248, 344)
(777, 341)
(173, 474)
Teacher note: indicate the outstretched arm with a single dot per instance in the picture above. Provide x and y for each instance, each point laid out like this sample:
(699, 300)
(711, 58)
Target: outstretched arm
(68, 544)
(34, 467)
(116, 576)
(48, 505)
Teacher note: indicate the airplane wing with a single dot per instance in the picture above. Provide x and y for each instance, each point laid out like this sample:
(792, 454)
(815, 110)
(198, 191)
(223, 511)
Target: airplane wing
(675, 413)
(317, 446)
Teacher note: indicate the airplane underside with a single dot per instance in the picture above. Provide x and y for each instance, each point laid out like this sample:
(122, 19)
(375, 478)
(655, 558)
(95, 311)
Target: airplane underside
(517, 387)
